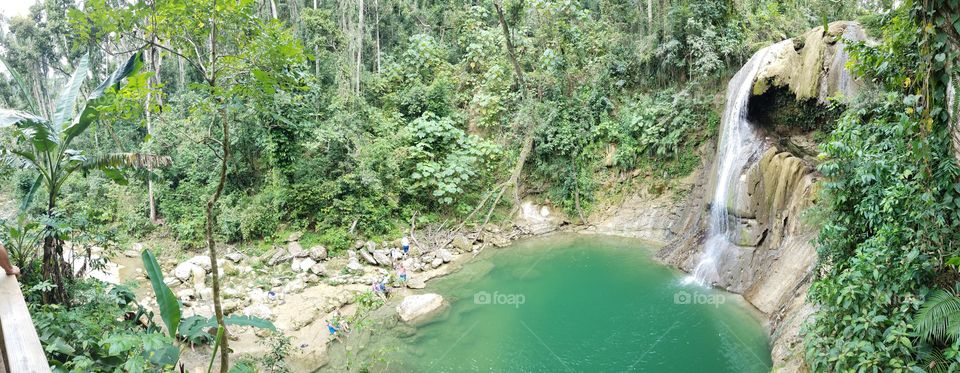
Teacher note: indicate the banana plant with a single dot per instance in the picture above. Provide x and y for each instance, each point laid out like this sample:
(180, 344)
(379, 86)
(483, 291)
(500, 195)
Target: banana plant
(44, 145)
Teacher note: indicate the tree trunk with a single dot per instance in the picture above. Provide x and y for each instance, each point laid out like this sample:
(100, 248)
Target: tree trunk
(649, 17)
(211, 243)
(53, 268)
(359, 45)
(211, 203)
(151, 83)
(376, 3)
(510, 50)
(182, 74)
(316, 50)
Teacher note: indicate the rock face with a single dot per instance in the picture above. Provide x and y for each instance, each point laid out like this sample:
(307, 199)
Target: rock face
(537, 219)
(414, 307)
(812, 65)
(655, 215)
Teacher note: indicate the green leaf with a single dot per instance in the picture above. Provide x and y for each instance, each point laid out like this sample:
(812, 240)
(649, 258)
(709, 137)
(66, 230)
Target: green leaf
(28, 198)
(90, 112)
(115, 175)
(68, 97)
(166, 356)
(256, 322)
(133, 64)
(60, 346)
(241, 368)
(23, 88)
(194, 329)
(169, 306)
(216, 346)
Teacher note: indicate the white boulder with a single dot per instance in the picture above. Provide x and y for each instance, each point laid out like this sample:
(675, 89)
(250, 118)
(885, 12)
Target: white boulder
(414, 307)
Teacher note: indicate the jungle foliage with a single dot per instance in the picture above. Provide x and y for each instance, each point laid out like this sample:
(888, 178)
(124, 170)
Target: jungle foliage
(892, 199)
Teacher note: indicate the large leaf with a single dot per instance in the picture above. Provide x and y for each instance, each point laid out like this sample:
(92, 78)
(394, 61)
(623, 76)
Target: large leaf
(256, 322)
(169, 306)
(194, 329)
(89, 112)
(28, 198)
(166, 356)
(241, 368)
(133, 64)
(23, 87)
(15, 117)
(68, 97)
(239, 320)
(127, 160)
(32, 128)
(939, 316)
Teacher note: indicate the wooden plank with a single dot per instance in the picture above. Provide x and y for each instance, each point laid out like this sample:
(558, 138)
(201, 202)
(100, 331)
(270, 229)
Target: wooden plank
(22, 350)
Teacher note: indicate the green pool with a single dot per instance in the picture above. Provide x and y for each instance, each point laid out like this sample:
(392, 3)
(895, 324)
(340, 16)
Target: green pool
(567, 304)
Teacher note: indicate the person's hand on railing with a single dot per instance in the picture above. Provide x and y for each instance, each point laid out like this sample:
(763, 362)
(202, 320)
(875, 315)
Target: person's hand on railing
(9, 268)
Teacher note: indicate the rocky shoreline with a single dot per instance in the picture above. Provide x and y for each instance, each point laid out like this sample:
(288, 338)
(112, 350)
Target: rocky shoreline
(299, 288)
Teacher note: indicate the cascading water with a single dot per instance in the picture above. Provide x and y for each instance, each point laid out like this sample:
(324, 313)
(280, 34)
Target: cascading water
(738, 143)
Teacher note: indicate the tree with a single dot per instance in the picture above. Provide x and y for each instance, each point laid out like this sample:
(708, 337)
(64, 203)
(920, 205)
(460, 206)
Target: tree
(234, 54)
(44, 144)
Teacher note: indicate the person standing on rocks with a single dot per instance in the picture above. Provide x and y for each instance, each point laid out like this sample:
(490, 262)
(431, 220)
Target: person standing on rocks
(8, 267)
(405, 243)
(378, 289)
(401, 273)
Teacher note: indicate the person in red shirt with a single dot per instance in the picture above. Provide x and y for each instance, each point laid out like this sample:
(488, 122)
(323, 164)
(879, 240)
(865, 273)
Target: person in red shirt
(9, 268)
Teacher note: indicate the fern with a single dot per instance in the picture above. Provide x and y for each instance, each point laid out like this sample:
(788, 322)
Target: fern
(939, 318)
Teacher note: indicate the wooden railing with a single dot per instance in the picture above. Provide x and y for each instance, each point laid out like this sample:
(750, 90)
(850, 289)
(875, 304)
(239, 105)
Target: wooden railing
(22, 352)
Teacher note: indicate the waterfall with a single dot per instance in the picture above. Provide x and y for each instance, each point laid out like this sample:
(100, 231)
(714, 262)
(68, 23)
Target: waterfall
(738, 143)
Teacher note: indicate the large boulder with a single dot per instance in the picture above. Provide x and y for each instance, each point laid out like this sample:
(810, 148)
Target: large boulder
(445, 255)
(235, 257)
(318, 253)
(302, 265)
(353, 265)
(184, 271)
(415, 307)
(202, 261)
(318, 269)
(368, 257)
(295, 250)
(294, 237)
(199, 276)
(462, 243)
(382, 257)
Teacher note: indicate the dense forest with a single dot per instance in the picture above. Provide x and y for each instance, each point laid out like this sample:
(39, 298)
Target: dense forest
(236, 122)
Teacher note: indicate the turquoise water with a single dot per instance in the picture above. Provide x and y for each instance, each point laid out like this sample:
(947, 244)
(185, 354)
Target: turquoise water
(567, 304)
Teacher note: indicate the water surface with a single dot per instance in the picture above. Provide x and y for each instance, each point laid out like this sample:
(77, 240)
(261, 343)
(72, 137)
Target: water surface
(567, 304)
